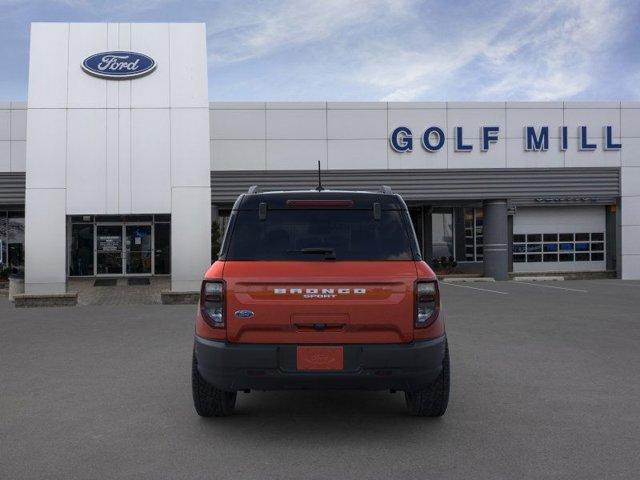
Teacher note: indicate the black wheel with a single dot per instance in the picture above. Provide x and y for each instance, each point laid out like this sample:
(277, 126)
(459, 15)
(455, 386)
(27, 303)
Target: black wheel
(207, 399)
(433, 400)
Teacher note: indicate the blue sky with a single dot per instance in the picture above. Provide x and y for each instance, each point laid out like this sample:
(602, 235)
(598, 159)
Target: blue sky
(378, 49)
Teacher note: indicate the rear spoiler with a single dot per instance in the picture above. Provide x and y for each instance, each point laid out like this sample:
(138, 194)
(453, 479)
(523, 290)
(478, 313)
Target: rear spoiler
(384, 189)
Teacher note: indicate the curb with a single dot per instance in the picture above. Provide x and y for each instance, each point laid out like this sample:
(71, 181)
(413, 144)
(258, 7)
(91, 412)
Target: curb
(179, 298)
(468, 279)
(25, 300)
(549, 278)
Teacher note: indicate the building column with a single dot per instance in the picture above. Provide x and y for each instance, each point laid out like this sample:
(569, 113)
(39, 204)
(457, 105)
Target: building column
(495, 238)
(190, 237)
(611, 253)
(619, 239)
(629, 232)
(45, 240)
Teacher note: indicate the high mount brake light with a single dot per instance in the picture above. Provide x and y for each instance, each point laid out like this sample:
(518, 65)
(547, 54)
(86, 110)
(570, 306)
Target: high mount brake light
(212, 302)
(320, 203)
(427, 303)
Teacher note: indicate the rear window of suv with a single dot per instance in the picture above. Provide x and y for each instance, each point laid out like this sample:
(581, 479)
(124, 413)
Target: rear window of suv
(314, 234)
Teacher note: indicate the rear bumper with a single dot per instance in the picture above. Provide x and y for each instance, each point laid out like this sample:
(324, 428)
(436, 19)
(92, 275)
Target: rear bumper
(231, 367)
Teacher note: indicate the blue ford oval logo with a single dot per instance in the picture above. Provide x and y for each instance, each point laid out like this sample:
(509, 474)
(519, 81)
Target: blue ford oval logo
(244, 313)
(118, 65)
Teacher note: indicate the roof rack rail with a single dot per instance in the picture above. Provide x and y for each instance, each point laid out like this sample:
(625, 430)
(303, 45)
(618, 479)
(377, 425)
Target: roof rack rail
(252, 189)
(386, 190)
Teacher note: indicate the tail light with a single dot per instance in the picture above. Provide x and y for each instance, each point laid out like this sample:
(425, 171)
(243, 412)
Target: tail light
(427, 303)
(212, 303)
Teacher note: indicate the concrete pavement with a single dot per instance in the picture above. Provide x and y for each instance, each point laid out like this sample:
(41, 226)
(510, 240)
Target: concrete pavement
(544, 385)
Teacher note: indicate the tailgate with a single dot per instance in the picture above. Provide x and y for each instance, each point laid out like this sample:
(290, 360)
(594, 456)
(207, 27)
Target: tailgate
(320, 302)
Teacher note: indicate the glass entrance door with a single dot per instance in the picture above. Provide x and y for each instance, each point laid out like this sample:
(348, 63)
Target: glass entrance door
(112, 246)
(162, 241)
(139, 249)
(109, 249)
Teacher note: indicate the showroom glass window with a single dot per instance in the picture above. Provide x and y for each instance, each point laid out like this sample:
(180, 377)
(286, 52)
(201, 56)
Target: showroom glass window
(442, 232)
(218, 227)
(81, 248)
(473, 234)
(3, 243)
(117, 245)
(162, 244)
(12, 239)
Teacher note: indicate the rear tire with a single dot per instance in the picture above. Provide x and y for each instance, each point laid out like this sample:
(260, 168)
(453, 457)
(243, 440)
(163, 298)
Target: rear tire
(207, 399)
(433, 400)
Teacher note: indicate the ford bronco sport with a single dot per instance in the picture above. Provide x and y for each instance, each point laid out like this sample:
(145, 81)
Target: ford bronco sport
(320, 289)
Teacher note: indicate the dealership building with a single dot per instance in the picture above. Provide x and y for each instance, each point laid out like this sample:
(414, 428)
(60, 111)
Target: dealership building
(118, 165)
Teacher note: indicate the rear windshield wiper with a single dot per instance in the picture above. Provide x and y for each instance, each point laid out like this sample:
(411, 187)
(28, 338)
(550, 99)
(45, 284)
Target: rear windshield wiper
(329, 253)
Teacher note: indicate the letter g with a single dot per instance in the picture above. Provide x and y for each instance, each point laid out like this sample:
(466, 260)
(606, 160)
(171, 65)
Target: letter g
(401, 139)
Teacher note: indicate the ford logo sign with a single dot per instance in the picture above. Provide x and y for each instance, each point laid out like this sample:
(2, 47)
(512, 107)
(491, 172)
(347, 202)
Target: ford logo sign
(118, 65)
(244, 313)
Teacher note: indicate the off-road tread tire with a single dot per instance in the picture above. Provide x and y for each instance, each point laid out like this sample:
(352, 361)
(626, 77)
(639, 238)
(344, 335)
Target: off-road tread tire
(207, 399)
(433, 400)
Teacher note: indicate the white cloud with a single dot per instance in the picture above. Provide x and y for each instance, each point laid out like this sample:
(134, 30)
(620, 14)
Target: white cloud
(411, 75)
(407, 50)
(255, 32)
(545, 51)
(396, 49)
(555, 59)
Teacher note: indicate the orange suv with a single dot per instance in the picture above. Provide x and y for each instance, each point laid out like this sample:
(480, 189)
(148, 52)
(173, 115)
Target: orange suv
(320, 289)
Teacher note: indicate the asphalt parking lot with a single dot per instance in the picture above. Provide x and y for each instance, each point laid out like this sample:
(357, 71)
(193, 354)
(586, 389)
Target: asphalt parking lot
(546, 384)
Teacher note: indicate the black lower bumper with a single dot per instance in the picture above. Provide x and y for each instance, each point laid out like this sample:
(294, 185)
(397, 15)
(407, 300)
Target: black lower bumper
(232, 367)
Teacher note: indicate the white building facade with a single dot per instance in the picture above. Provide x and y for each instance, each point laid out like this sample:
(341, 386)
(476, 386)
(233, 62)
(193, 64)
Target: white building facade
(125, 176)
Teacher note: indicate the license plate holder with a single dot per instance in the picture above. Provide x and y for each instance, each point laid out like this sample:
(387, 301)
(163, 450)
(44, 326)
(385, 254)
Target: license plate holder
(320, 358)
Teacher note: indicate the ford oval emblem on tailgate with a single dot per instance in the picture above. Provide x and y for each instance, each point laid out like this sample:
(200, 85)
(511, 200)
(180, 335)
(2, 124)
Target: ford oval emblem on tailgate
(244, 313)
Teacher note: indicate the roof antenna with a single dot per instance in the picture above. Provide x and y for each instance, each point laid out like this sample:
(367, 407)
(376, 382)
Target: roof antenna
(320, 188)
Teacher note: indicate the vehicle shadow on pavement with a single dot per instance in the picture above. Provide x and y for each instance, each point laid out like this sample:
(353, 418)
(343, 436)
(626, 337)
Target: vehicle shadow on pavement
(321, 403)
(320, 411)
